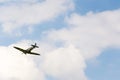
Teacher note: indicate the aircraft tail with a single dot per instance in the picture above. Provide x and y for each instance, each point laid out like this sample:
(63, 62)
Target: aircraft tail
(35, 45)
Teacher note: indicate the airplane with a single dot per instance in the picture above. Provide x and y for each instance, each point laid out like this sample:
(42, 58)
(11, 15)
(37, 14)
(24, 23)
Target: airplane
(28, 51)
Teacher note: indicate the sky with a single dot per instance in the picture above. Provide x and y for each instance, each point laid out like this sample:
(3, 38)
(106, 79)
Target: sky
(77, 39)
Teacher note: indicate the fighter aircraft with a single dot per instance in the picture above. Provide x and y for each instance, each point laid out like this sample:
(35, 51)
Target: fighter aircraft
(28, 51)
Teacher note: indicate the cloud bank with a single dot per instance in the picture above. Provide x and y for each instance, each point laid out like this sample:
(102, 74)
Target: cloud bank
(91, 33)
(64, 52)
(24, 13)
(84, 39)
(14, 66)
(61, 63)
(65, 64)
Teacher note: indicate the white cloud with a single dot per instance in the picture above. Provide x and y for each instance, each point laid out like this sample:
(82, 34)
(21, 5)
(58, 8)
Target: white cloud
(91, 33)
(65, 64)
(20, 15)
(61, 63)
(15, 66)
(19, 1)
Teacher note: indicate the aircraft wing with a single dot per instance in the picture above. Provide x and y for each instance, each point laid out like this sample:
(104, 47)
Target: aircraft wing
(19, 49)
(34, 53)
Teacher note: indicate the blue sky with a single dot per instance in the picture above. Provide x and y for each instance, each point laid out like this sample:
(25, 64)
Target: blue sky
(84, 6)
(108, 67)
(78, 39)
